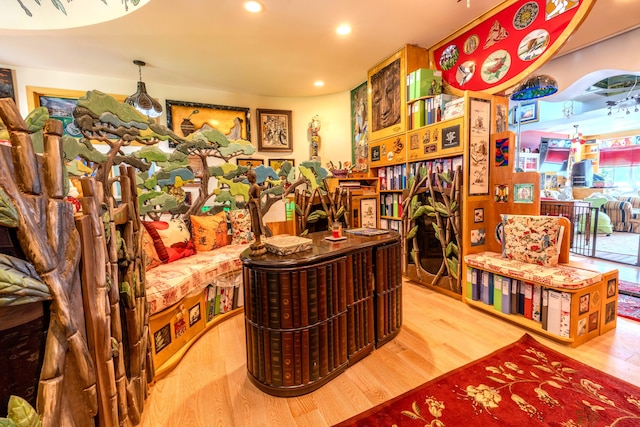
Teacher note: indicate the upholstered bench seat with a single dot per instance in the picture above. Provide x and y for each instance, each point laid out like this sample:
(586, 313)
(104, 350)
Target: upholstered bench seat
(561, 276)
(169, 283)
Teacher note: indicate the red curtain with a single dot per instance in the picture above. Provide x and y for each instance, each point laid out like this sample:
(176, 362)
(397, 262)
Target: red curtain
(620, 156)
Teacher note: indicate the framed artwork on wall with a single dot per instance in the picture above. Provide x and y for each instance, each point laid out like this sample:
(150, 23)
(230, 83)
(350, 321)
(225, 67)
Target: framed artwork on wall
(360, 128)
(274, 130)
(276, 164)
(479, 131)
(252, 163)
(387, 101)
(185, 118)
(7, 85)
(523, 193)
(368, 212)
(60, 104)
(528, 112)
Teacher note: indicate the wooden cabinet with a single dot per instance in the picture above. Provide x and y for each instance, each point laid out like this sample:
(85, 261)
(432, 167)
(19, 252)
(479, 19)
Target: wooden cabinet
(364, 209)
(311, 314)
(583, 313)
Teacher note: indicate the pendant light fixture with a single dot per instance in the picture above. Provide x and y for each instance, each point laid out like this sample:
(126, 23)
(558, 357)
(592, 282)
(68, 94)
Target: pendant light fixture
(141, 100)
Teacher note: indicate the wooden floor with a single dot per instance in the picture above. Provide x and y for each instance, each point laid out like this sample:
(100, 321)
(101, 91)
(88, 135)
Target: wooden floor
(210, 386)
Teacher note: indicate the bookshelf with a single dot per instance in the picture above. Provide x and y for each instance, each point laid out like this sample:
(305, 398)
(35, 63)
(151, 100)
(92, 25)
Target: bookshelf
(365, 199)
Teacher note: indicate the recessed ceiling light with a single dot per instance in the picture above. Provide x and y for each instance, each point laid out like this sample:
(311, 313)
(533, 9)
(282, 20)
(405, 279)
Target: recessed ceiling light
(343, 29)
(253, 6)
(319, 83)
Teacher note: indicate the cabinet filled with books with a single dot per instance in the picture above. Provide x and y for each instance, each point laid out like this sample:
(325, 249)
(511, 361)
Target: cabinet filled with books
(363, 190)
(393, 182)
(572, 316)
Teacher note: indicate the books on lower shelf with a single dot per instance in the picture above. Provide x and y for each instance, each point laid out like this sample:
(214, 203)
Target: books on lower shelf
(549, 307)
(393, 177)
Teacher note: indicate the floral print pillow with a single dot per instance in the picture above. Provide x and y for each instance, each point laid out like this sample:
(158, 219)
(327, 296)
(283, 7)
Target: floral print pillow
(240, 227)
(532, 239)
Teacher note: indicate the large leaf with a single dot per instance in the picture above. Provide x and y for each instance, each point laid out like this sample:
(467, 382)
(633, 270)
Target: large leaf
(22, 413)
(8, 212)
(19, 282)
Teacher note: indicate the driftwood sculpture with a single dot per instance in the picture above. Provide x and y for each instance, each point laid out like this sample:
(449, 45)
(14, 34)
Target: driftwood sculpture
(429, 203)
(33, 192)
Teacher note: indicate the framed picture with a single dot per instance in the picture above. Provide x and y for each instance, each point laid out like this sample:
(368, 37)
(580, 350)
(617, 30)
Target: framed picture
(360, 128)
(584, 304)
(185, 118)
(527, 112)
(274, 130)
(611, 288)
(7, 86)
(479, 131)
(252, 163)
(523, 193)
(276, 164)
(368, 213)
(60, 104)
(478, 215)
(387, 103)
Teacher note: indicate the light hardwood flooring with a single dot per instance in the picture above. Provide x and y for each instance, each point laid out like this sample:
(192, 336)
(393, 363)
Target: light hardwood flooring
(209, 387)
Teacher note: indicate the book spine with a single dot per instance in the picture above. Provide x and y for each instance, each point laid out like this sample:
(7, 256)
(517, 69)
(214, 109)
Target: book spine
(323, 349)
(528, 300)
(537, 303)
(322, 292)
(314, 352)
(286, 310)
(506, 295)
(295, 300)
(514, 296)
(544, 312)
(342, 289)
(330, 297)
(288, 356)
(274, 300)
(306, 356)
(497, 292)
(297, 358)
(312, 288)
(304, 299)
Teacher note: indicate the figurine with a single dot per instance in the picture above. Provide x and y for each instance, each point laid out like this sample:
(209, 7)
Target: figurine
(255, 212)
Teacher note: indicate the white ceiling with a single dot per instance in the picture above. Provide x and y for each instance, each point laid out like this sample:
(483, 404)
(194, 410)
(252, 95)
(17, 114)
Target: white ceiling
(215, 44)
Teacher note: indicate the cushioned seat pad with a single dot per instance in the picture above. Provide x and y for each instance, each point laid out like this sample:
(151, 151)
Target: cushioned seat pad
(561, 276)
(168, 283)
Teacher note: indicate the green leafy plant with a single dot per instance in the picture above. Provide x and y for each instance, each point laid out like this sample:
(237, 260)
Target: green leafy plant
(20, 414)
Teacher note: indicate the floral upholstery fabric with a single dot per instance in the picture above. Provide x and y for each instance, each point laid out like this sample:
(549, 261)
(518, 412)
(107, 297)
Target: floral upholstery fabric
(175, 237)
(562, 276)
(532, 239)
(240, 227)
(167, 284)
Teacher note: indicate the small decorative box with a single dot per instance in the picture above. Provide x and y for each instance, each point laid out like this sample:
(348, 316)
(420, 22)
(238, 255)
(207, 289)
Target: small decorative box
(287, 245)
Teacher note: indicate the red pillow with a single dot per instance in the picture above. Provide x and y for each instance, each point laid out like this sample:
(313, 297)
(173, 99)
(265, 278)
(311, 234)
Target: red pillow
(173, 237)
(157, 241)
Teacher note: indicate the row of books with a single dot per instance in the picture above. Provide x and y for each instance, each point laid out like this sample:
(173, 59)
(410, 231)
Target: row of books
(391, 205)
(222, 299)
(358, 186)
(435, 167)
(550, 307)
(424, 112)
(393, 177)
(423, 82)
(391, 224)
(297, 357)
(299, 299)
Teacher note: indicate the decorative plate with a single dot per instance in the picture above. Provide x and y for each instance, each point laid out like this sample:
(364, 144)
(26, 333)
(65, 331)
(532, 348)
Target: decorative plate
(533, 44)
(526, 15)
(496, 33)
(449, 57)
(471, 44)
(496, 66)
(465, 72)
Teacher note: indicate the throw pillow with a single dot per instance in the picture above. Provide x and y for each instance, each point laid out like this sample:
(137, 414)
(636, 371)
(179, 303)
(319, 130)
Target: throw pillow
(175, 237)
(209, 231)
(151, 258)
(157, 241)
(240, 227)
(532, 239)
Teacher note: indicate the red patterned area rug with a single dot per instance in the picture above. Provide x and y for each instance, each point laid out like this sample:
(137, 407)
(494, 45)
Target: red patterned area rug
(524, 383)
(629, 300)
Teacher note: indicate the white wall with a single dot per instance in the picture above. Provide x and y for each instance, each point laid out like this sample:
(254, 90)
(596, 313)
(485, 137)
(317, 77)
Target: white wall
(333, 110)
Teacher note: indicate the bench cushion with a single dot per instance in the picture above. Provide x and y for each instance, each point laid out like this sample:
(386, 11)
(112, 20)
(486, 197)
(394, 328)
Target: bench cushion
(561, 276)
(533, 239)
(168, 284)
